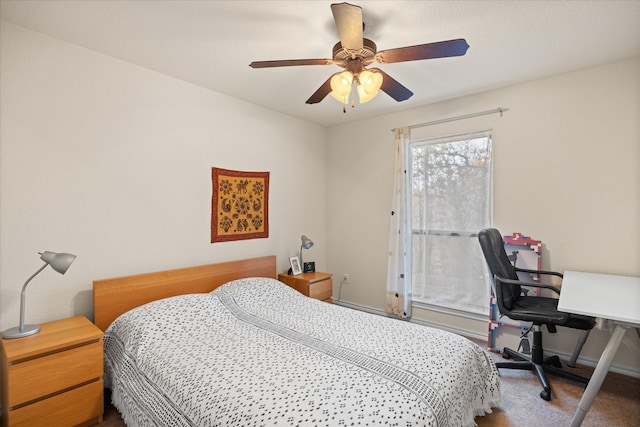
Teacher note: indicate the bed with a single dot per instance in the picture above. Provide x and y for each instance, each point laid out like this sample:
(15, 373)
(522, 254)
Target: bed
(229, 345)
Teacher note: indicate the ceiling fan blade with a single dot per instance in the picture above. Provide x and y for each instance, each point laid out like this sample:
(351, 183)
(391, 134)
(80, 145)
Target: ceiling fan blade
(290, 63)
(392, 87)
(349, 24)
(321, 93)
(457, 47)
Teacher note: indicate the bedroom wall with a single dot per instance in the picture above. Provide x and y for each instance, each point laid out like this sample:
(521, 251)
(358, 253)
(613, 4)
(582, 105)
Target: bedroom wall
(566, 171)
(112, 162)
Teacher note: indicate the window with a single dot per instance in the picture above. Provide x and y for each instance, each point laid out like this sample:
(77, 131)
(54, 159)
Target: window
(450, 202)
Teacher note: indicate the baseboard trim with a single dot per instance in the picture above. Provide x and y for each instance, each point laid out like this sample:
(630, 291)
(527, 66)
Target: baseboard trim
(474, 335)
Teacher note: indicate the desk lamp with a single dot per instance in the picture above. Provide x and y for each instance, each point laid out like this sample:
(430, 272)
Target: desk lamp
(60, 263)
(306, 244)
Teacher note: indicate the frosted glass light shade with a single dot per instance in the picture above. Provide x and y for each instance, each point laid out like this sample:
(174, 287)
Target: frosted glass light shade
(341, 86)
(370, 83)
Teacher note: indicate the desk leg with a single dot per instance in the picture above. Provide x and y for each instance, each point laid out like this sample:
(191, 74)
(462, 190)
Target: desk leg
(578, 348)
(598, 375)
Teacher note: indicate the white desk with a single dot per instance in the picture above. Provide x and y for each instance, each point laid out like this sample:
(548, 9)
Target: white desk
(604, 296)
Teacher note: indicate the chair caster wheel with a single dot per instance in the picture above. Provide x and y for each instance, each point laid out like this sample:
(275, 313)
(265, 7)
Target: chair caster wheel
(506, 356)
(546, 395)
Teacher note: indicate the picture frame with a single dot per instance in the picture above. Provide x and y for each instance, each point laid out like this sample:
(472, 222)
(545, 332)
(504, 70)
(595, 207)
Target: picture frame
(295, 265)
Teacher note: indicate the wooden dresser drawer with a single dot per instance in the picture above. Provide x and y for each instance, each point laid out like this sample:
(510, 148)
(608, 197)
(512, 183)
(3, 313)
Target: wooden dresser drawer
(40, 377)
(54, 377)
(321, 290)
(80, 405)
(313, 284)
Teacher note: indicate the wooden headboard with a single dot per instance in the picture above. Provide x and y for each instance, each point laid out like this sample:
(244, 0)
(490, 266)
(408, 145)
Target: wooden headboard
(113, 297)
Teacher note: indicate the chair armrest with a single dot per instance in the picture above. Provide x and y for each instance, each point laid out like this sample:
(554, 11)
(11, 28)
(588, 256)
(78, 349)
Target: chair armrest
(524, 283)
(550, 273)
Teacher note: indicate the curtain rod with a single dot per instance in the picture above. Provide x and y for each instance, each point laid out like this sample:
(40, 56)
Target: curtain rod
(451, 119)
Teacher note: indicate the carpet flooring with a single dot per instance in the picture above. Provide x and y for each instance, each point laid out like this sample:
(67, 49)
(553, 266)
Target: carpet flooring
(617, 403)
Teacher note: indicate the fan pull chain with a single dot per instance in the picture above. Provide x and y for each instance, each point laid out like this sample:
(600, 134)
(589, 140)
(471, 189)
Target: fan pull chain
(351, 97)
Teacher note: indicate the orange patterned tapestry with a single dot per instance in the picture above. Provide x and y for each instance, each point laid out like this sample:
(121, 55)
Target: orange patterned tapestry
(239, 205)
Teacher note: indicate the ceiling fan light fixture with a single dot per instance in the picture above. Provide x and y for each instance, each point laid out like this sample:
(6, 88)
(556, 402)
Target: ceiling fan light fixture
(341, 86)
(369, 85)
(354, 52)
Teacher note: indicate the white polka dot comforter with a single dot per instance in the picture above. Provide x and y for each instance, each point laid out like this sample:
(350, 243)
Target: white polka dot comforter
(255, 352)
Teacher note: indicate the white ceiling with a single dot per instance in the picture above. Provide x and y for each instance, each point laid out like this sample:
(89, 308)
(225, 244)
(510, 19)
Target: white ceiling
(211, 43)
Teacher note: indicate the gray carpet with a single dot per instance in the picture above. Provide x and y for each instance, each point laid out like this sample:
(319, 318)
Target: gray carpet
(617, 403)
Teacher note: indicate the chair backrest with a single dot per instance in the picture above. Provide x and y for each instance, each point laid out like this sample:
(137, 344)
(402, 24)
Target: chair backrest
(499, 264)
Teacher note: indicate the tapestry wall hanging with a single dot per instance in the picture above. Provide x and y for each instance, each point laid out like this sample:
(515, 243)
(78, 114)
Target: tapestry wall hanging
(239, 205)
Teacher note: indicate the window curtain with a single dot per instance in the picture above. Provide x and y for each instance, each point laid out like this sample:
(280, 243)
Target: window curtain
(398, 301)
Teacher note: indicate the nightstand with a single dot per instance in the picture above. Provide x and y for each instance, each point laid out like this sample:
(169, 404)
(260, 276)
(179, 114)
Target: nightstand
(54, 377)
(315, 285)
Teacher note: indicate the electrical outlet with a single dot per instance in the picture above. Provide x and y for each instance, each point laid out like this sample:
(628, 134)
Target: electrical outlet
(345, 279)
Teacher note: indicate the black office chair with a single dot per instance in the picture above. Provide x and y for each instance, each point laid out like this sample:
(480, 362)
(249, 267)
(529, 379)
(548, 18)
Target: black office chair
(538, 310)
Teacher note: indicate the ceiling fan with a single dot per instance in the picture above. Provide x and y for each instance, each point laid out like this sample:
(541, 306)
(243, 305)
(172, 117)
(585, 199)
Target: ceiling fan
(355, 53)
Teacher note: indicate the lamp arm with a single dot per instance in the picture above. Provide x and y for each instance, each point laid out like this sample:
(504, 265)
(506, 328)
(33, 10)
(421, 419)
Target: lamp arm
(23, 295)
(301, 264)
